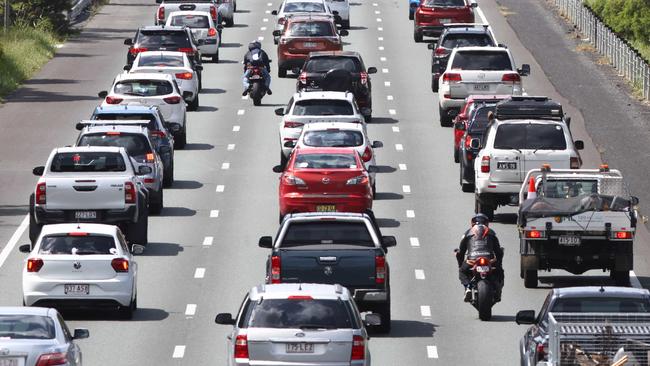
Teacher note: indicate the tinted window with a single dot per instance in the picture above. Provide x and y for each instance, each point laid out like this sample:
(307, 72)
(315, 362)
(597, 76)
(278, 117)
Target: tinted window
(88, 162)
(135, 145)
(325, 161)
(311, 29)
(144, 88)
(466, 40)
(333, 138)
(304, 8)
(530, 136)
(80, 245)
(161, 38)
(320, 107)
(601, 305)
(324, 64)
(479, 60)
(191, 21)
(26, 327)
(152, 126)
(161, 60)
(298, 313)
(327, 233)
(480, 120)
(443, 3)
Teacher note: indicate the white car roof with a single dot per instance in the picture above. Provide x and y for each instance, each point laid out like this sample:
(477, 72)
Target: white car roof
(304, 1)
(284, 290)
(163, 53)
(25, 310)
(320, 126)
(482, 49)
(529, 121)
(189, 12)
(144, 76)
(69, 149)
(79, 228)
(323, 95)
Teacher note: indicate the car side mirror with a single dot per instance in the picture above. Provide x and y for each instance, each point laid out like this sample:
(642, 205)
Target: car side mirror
(377, 144)
(128, 42)
(265, 242)
(127, 67)
(525, 317)
(372, 319)
(198, 68)
(274, 12)
(475, 143)
(25, 248)
(79, 126)
(388, 241)
(102, 94)
(290, 144)
(278, 169)
(137, 249)
(295, 70)
(579, 144)
(431, 46)
(371, 70)
(277, 33)
(144, 170)
(474, 5)
(459, 125)
(343, 33)
(525, 70)
(225, 319)
(81, 333)
(187, 94)
(38, 171)
(279, 112)
(165, 149)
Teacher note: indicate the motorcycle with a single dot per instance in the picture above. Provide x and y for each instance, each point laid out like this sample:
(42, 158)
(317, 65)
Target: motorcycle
(483, 285)
(256, 86)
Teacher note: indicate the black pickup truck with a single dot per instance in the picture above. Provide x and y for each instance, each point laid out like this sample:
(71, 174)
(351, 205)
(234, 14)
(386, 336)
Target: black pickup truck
(334, 248)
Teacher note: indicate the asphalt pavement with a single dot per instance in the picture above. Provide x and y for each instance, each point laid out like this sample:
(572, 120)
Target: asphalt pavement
(203, 254)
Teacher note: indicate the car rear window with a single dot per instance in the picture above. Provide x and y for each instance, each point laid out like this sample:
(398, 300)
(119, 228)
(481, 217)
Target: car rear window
(301, 313)
(480, 120)
(88, 162)
(325, 64)
(15, 326)
(152, 125)
(311, 29)
(333, 138)
(601, 305)
(163, 38)
(135, 144)
(322, 107)
(530, 136)
(443, 3)
(143, 88)
(191, 21)
(304, 7)
(481, 60)
(79, 245)
(325, 161)
(161, 60)
(569, 188)
(327, 232)
(466, 40)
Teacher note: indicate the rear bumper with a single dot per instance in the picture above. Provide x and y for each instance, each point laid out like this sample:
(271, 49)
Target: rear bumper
(103, 293)
(349, 203)
(370, 296)
(590, 254)
(429, 30)
(43, 216)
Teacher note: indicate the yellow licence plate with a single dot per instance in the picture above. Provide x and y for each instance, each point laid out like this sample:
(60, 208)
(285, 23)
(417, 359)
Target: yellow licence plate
(326, 208)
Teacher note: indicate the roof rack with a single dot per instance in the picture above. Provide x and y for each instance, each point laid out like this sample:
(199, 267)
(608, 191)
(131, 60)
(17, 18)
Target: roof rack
(529, 107)
(119, 122)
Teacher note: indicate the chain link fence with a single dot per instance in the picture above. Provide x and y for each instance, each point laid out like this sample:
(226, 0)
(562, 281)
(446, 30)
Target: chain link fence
(619, 53)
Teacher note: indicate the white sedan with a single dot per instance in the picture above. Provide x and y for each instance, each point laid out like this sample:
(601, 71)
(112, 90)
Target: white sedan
(81, 266)
(202, 27)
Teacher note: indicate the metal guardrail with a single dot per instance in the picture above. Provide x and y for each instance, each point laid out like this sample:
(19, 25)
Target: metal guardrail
(78, 6)
(617, 50)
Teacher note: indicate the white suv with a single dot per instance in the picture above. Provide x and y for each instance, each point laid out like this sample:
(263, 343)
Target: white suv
(477, 70)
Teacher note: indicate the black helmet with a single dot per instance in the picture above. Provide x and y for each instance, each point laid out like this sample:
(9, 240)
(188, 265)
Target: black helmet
(254, 45)
(481, 219)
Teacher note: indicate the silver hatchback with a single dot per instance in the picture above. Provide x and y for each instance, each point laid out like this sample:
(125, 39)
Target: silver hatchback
(37, 336)
(298, 324)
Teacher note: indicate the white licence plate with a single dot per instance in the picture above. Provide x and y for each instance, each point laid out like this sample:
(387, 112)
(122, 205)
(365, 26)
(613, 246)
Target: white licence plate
(85, 214)
(76, 289)
(569, 240)
(310, 44)
(9, 361)
(300, 348)
(482, 87)
(482, 269)
(255, 77)
(444, 20)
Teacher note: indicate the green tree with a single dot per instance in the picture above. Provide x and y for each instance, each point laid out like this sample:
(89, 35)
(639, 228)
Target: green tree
(42, 14)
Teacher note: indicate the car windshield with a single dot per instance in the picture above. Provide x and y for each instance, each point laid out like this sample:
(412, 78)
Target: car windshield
(136, 145)
(143, 88)
(191, 21)
(160, 60)
(325, 161)
(569, 188)
(306, 7)
(533, 136)
(311, 29)
(300, 313)
(77, 244)
(443, 3)
(322, 107)
(479, 120)
(466, 40)
(327, 232)
(601, 305)
(18, 326)
(152, 125)
(88, 162)
(325, 64)
(481, 60)
(164, 39)
(333, 138)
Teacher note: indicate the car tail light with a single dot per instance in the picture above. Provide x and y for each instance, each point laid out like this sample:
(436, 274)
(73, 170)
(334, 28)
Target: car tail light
(41, 193)
(212, 32)
(358, 348)
(241, 346)
(575, 163)
(275, 269)
(292, 180)
(367, 154)
(129, 192)
(364, 77)
(113, 100)
(172, 100)
(184, 75)
(380, 269)
(451, 77)
(622, 235)
(290, 124)
(485, 164)
(34, 265)
(161, 13)
(150, 157)
(440, 51)
(534, 234)
(77, 233)
(48, 359)
(468, 140)
(362, 179)
(120, 265)
(541, 352)
(303, 78)
(213, 13)
(135, 50)
(300, 297)
(113, 133)
(160, 134)
(186, 49)
(511, 77)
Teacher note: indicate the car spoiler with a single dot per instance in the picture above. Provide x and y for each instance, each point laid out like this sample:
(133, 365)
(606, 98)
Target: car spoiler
(120, 122)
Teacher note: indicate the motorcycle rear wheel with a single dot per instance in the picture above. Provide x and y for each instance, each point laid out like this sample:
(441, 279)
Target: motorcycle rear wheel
(485, 300)
(256, 94)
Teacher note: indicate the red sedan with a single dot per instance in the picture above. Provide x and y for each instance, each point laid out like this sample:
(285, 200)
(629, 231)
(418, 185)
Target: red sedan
(324, 180)
(432, 15)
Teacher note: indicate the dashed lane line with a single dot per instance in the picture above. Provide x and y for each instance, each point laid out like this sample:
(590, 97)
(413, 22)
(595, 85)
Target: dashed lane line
(236, 128)
(432, 352)
(225, 166)
(382, 59)
(241, 112)
(389, 97)
(179, 352)
(214, 213)
(402, 167)
(190, 309)
(199, 273)
(415, 242)
(381, 48)
(231, 147)
(384, 70)
(220, 188)
(380, 29)
(379, 20)
(386, 83)
(406, 189)
(425, 310)
(395, 129)
(419, 274)
(208, 240)
(392, 112)
(410, 214)
(399, 147)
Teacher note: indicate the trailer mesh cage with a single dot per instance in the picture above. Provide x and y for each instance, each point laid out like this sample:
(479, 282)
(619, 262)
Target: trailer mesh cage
(590, 339)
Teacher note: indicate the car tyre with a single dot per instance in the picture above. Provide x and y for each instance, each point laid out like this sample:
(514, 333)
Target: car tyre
(156, 202)
(621, 278)
(194, 104)
(282, 72)
(383, 310)
(445, 118)
(34, 228)
(411, 15)
(137, 232)
(168, 176)
(367, 118)
(417, 37)
(530, 278)
(457, 156)
(215, 57)
(374, 190)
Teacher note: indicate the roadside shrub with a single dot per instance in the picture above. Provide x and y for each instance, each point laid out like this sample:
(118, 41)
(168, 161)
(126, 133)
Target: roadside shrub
(46, 14)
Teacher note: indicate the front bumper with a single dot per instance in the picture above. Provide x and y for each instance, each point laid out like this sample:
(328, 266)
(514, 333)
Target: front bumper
(293, 203)
(44, 216)
(116, 291)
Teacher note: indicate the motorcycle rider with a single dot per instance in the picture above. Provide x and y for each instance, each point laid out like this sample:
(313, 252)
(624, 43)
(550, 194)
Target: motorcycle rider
(257, 57)
(479, 237)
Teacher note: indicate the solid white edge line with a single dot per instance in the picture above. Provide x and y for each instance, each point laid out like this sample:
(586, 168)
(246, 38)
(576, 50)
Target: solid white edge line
(179, 352)
(208, 240)
(432, 351)
(190, 309)
(199, 273)
(11, 244)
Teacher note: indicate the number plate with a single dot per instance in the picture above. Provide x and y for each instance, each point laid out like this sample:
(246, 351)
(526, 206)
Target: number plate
(482, 87)
(310, 44)
(9, 361)
(506, 165)
(482, 269)
(255, 77)
(326, 208)
(444, 20)
(85, 215)
(300, 348)
(76, 289)
(569, 240)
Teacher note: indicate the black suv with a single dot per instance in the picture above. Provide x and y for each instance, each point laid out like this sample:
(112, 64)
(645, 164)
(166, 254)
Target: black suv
(339, 71)
(456, 35)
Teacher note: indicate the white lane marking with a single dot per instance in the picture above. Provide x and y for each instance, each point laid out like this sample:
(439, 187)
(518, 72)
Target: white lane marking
(386, 83)
(236, 128)
(399, 147)
(425, 310)
(415, 242)
(241, 112)
(208, 240)
(190, 309)
(634, 281)
(262, 28)
(179, 352)
(389, 97)
(402, 167)
(231, 147)
(199, 273)
(214, 213)
(382, 59)
(432, 351)
(377, 12)
(379, 20)
(268, 12)
(14, 240)
(269, 4)
(380, 38)
(381, 48)
(392, 112)
(410, 214)
(395, 129)
(406, 189)
(244, 97)
(225, 166)
(260, 38)
(265, 20)
(374, 4)
(220, 188)
(419, 274)
(385, 71)
(380, 29)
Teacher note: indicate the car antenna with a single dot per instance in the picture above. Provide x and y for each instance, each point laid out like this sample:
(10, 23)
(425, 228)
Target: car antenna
(602, 289)
(300, 287)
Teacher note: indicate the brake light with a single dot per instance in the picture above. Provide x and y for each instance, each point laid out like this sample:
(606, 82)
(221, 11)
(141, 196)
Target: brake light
(41, 193)
(113, 133)
(241, 346)
(213, 13)
(113, 100)
(575, 163)
(158, 133)
(34, 264)
(451, 77)
(275, 269)
(482, 261)
(77, 233)
(300, 297)
(150, 157)
(184, 75)
(440, 51)
(48, 359)
(367, 154)
(161, 13)
(148, 180)
(129, 192)
(212, 32)
(303, 78)
(534, 234)
(380, 269)
(358, 348)
(362, 179)
(292, 180)
(622, 234)
(172, 100)
(485, 164)
(541, 352)
(290, 124)
(186, 50)
(135, 50)
(364, 77)
(120, 265)
(468, 140)
(512, 78)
